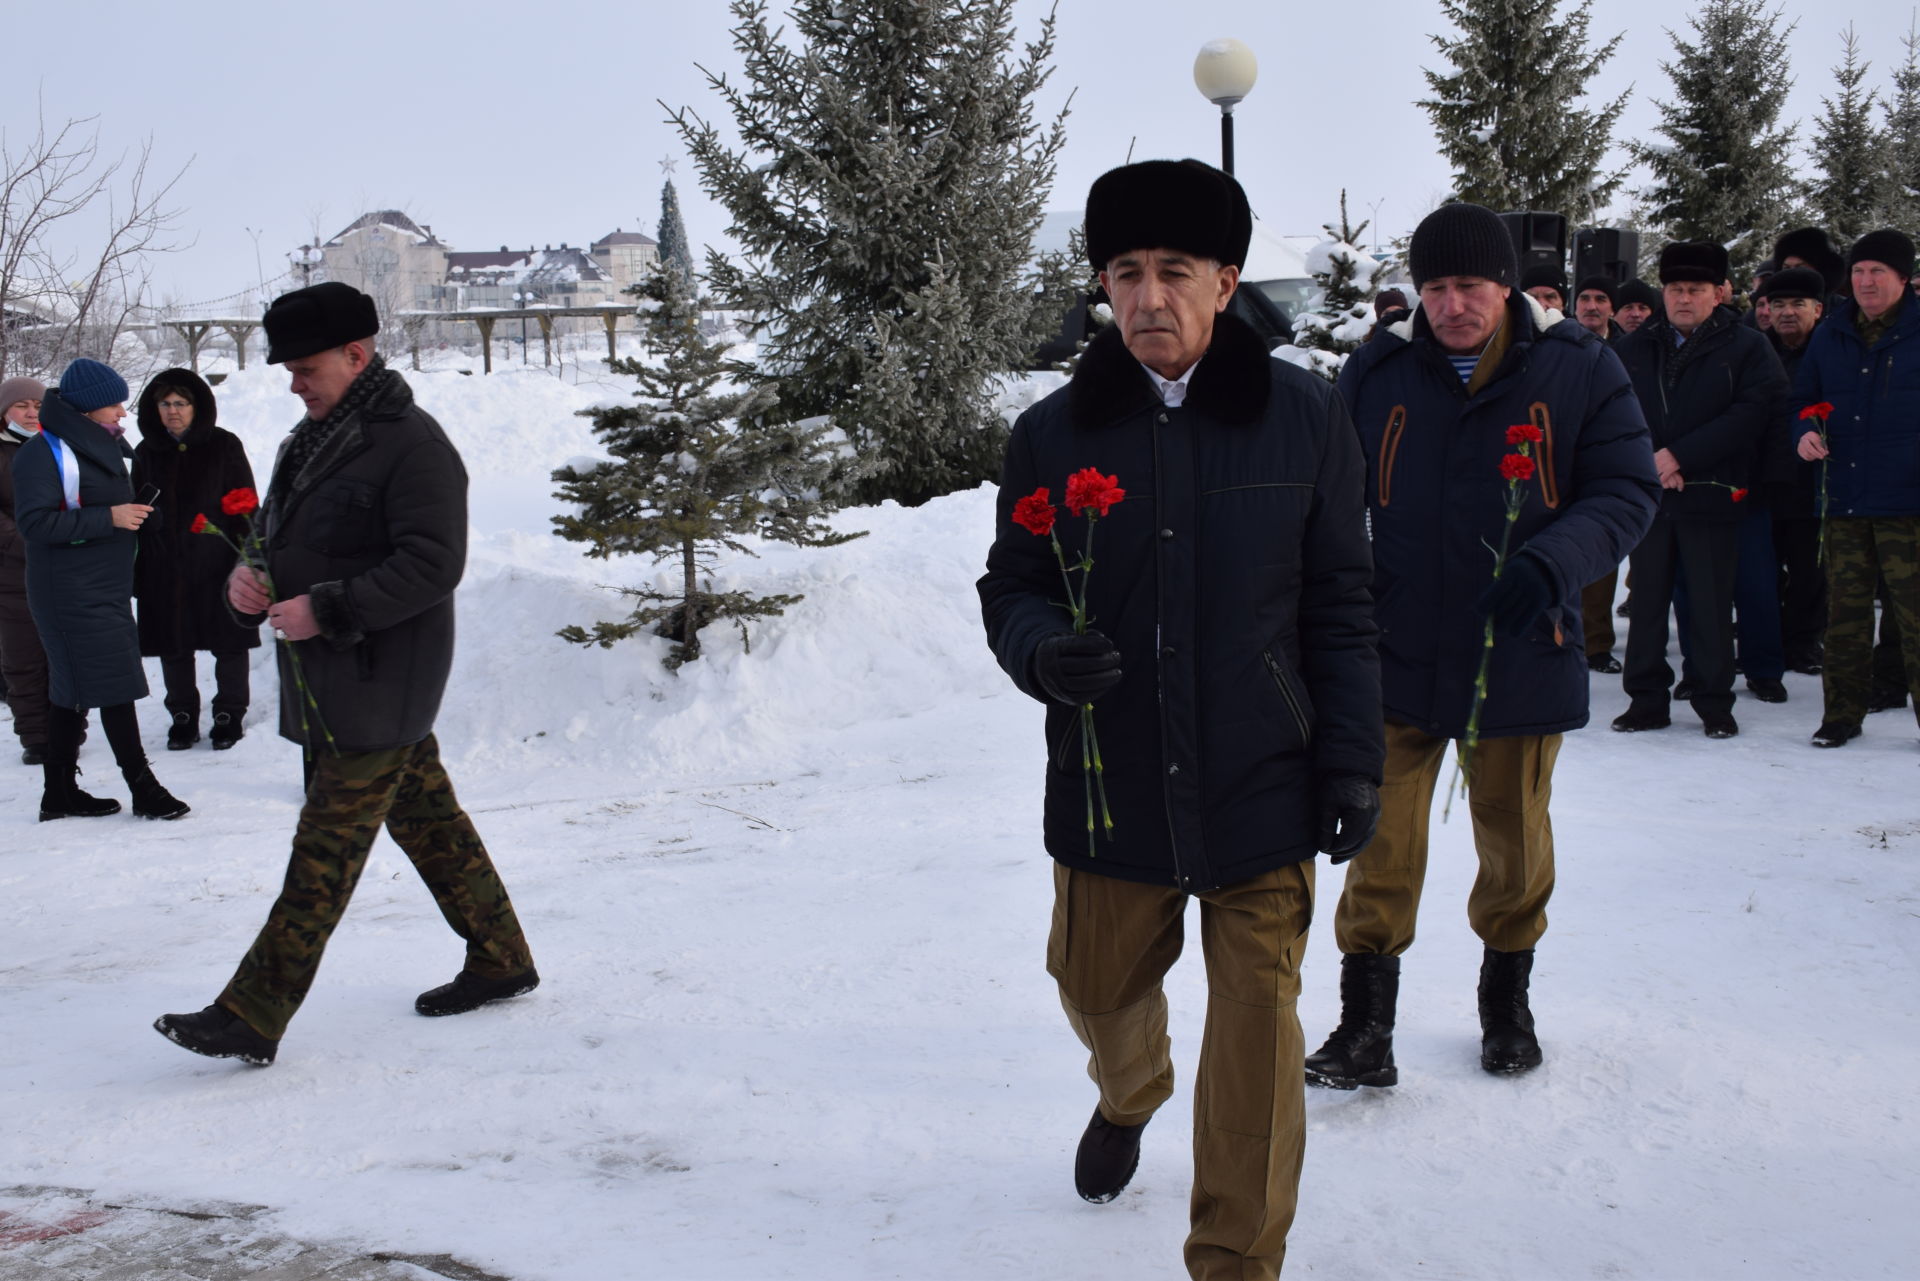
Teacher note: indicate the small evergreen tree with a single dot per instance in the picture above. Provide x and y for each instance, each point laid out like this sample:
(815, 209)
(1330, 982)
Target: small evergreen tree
(1900, 196)
(885, 200)
(1506, 116)
(1850, 156)
(1342, 317)
(674, 250)
(1724, 172)
(695, 469)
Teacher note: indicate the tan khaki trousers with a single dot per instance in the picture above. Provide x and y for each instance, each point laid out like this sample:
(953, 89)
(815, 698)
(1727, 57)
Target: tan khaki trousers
(1596, 615)
(1112, 941)
(1512, 782)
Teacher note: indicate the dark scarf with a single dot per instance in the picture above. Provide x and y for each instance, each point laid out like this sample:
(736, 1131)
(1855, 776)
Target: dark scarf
(310, 437)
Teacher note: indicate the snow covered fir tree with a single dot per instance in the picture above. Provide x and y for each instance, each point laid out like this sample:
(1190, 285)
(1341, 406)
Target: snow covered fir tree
(1342, 316)
(1723, 171)
(1900, 201)
(885, 199)
(1849, 154)
(675, 252)
(696, 468)
(1507, 115)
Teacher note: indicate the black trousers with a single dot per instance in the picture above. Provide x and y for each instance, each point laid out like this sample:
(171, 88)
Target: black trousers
(1710, 552)
(1803, 586)
(231, 685)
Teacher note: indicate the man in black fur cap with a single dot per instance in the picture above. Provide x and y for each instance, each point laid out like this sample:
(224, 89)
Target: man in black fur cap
(1232, 684)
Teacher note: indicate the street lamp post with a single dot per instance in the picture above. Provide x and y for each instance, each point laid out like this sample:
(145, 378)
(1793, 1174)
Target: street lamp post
(1224, 73)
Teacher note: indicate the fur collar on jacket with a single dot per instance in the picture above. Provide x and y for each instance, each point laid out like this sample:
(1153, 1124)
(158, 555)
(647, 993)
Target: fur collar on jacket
(1231, 383)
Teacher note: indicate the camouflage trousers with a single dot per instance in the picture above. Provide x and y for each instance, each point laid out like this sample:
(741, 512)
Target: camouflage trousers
(1861, 551)
(351, 796)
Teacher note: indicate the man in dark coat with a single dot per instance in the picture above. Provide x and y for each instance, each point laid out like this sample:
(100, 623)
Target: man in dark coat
(180, 578)
(1796, 300)
(1864, 362)
(1242, 732)
(1711, 388)
(1593, 306)
(365, 529)
(1479, 373)
(22, 660)
(1638, 303)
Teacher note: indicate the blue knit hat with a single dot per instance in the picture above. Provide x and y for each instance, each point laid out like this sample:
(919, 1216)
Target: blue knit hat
(88, 385)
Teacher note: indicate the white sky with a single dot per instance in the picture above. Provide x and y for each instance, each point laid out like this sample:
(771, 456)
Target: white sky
(521, 124)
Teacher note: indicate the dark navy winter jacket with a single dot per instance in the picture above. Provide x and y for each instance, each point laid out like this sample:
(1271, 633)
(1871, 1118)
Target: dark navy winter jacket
(1718, 402)
(1437, 505)
(1874, 431)
(1232, 579)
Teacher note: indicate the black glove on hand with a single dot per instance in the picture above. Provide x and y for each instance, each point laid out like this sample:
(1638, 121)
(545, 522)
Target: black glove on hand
(1521, 594)
(1349, 810)
(1076, 669)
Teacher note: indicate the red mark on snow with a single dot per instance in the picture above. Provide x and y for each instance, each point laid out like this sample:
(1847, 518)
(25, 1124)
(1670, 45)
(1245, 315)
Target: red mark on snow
(17, 1229)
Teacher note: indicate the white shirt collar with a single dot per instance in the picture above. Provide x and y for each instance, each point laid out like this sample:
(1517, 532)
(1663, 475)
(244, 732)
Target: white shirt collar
(1172, 394)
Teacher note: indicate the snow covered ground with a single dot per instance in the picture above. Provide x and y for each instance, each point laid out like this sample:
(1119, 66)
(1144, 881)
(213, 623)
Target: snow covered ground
(790, 910)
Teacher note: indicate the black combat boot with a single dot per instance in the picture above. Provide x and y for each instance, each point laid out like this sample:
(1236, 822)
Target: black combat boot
(219, 1034)
(1108, 1156)
(150, 800)
(1507, 1043)
(61, 796)
(1360, 1050)
(184, 732)
(469, 991)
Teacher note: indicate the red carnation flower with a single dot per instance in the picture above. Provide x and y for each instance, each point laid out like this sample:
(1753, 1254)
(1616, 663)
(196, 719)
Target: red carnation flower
(1820, 410)
(1739, 494)
(1523, 433)
(240, 502)
(1516, 467)
(199, 524)
(1088, 490)
(1035, 513)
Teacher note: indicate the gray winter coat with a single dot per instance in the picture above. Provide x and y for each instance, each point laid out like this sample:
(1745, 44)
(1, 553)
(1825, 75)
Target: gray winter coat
(79, 566)
(374, 528)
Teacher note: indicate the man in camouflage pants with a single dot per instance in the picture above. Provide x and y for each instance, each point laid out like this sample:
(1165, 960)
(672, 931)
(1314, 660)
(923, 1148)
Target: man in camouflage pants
(1861, 374)
(365, 525)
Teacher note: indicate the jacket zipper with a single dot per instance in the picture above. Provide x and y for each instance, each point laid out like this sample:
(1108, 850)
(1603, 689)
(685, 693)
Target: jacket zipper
(1160, 603)
(1286, 692)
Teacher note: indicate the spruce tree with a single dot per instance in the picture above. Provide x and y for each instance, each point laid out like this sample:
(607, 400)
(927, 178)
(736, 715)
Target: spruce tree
(1724, 172)
(1507, 115)
(1900, 196)
(1850, 156)
(885, 199)
(674, 250)
(695, 469)
(1342, 317)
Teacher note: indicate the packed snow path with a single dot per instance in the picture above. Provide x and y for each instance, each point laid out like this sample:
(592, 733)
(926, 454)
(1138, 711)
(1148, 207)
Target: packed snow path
(790, 911)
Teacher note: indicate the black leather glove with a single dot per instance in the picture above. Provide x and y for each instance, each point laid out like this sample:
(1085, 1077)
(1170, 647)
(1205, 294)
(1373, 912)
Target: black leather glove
(1076, 669)
(1349, 811)
(1521, 594)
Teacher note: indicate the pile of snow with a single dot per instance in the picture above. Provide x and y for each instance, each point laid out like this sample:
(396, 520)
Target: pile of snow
(790, 909)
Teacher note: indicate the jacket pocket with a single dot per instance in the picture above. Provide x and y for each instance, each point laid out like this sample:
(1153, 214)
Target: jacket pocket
(344, 520)
(1064, 743)
(1296, 700)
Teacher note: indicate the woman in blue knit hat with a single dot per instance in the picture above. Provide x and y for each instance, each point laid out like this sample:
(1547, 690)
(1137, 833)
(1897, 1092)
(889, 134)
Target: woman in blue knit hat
(75, 509)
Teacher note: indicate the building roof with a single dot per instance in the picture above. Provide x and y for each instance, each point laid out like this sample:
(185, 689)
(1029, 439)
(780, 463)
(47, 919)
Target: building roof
(391, 220)
(539, 268)
(620, 237)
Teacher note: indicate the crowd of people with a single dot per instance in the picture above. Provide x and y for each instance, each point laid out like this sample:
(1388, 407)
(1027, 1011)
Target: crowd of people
(1307, 594)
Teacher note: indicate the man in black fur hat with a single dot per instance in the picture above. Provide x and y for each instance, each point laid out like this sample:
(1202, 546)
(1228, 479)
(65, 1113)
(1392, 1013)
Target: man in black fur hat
(1230, 677)
(1710, 387)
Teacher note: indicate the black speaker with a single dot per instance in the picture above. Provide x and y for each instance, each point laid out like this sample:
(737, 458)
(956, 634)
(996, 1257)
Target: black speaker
(1539, 239)
(1606, 251)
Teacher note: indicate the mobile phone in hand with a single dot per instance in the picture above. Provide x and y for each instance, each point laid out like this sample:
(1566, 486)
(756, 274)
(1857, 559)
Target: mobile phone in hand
(149, 496)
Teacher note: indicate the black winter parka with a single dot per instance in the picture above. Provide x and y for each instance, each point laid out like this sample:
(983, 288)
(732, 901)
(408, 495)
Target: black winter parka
(374, 528)
(180, 578)
(1437, 505)
(1232, 579)
(1713, 401)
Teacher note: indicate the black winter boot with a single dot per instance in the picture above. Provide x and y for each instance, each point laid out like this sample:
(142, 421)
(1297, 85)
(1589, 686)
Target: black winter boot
(1507, 1043)
(1108, 1156)
(217, 1033)
(150, 800)
(183, 733)
(1360, 1050)
(62, 797)
(469, 991)
(226, 730)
